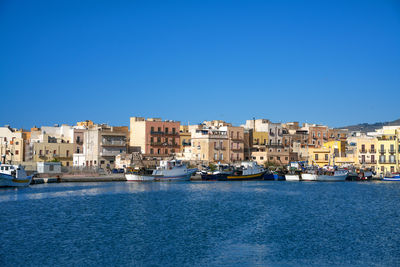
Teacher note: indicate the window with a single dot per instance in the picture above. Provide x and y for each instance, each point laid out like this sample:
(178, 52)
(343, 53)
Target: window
(316, 156)
(16, 152)
(151, 140)
(173, 130)
(67, 153)
(166, 151)
(158, 129)
(102, 162)
(172, 150)
(271, 158)
(68, 163)
(159, 151)
(55, 152)
(215, 156)
(326, 156)
(78, 150)
(166, 130)
(286, 158)
(51, 167)
(47, 152)
(278, 158)
(261, 158)
(152, 129)
(17, 143)
(151, 151)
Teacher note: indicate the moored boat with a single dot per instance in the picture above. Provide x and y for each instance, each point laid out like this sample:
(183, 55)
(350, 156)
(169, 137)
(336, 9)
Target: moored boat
(333, 176)
(13, 175)
(139, 175)
(220, 172)
(309, 176)
(169, 170)
(292, 177)
(394, 177)
(248, 170)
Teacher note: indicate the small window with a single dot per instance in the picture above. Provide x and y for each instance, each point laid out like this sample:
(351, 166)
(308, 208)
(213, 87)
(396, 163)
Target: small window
(16, 152)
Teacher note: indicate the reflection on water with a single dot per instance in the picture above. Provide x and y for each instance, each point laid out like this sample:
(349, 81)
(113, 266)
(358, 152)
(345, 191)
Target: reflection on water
(201, 223)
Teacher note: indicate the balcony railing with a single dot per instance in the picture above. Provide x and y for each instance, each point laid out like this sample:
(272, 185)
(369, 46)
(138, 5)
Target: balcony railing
(113, 143)
(392, 151)
(275, 145)
(164, 144)
(219, 148)
(382, 151)
(157, 132)
(363, 151)
(186, 144)
(171, 133)
(235, 139)
(372, 151)
(238, 150)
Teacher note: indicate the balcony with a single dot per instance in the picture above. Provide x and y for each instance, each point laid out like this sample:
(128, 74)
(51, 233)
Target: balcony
(219, 148)
(372, 150)
(363, 151)
(186, 144)
(113, 143)
(237, 150)
(382, 151)
(236, 139)
(392, 151)
(275, 145)
(157, 132)
(164, 144)
(171, 133)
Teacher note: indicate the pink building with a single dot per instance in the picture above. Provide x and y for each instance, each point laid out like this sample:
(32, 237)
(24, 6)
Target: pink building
(155, 137)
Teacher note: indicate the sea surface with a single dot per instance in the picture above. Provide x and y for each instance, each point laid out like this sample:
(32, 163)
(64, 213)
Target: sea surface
(201, 224)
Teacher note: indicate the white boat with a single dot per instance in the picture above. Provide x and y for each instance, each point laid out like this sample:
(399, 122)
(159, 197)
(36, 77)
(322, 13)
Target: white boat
(169, 170)
(292, 177)
(13, 175)
(309, 177)
(394, 177)
(139, 175)
(336, 176)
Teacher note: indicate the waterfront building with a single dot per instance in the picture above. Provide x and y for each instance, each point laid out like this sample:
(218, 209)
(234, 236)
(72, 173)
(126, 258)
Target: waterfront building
(101, 144)
(53, 143)
(217, 141)
(185, 137)
(154, 137)
(388, 147)
(366, 151)
(329, 153)
(11, 145)
(317, 134)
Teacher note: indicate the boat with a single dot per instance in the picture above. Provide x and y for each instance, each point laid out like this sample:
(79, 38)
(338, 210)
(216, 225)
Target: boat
(139, 175)
(13, 175)
(292, 177)
(309, 174)
(248, 170)
(220, 172)
(394, 177)
(172, 170)
(169, 170)
(269, 176)
(332, 174)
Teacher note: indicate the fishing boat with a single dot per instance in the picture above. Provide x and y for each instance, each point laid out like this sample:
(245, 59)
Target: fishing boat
(248, 170)
(139, 175)
(332, 175)
(220, 172)
(269, 176)
(394, 177)
(172, 170)
(292, 177)
(168, 170)
(309, 174)
(13, 175)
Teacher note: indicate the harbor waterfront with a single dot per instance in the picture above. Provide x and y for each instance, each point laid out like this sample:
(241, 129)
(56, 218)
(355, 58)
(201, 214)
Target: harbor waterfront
(201, 224)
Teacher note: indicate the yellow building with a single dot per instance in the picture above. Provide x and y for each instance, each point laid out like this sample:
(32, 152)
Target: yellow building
(87, 123)
(333, 152)
(259, 151)
(53, 150)
(388, 151)
(366, 152)
(185, 137)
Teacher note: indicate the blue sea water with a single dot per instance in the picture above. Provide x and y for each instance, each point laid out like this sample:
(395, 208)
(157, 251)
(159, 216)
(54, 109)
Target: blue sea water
(201, 224)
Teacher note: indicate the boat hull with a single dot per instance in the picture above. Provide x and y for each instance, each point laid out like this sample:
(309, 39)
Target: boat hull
(334, 178)
(138, 178)
(309, 177)
(214, 177)
(10, 181)
(279, 177)
(392, 179)
(185, 177)
(269, 177)
(258, 176)
(292, 177)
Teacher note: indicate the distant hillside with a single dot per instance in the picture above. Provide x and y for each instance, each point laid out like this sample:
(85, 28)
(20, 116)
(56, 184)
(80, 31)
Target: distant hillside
(366, 127)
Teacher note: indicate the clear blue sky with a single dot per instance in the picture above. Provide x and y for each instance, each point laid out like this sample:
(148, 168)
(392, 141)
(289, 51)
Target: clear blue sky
(331, 62)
